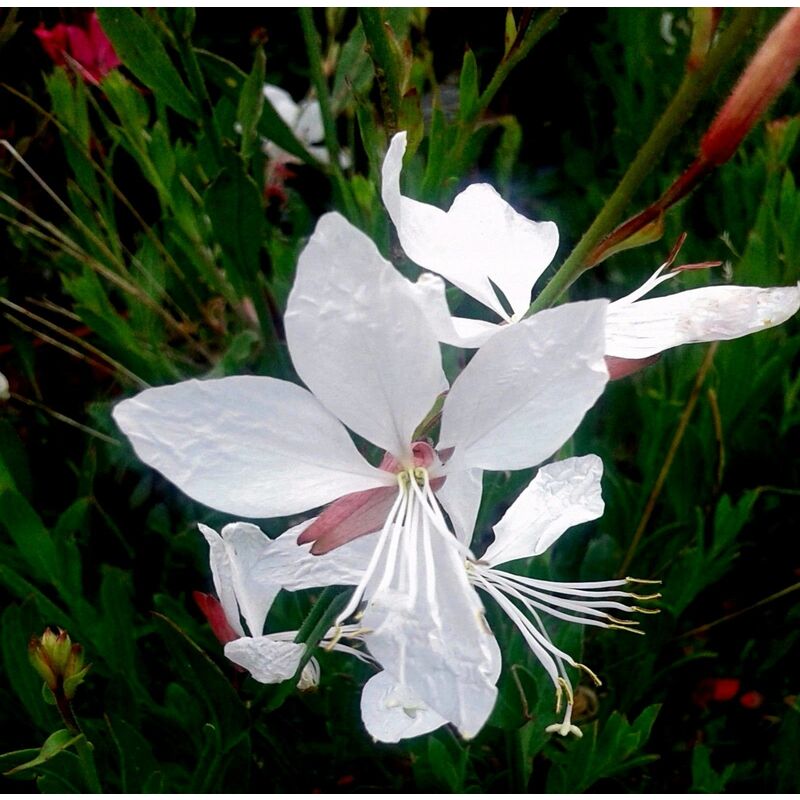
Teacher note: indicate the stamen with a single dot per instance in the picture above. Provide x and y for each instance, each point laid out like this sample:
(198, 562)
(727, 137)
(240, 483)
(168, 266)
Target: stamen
(396, 510)
(625, 628)
(643, 580)
(647, 610)
(590, 673)
(509, 587)
(524, 627)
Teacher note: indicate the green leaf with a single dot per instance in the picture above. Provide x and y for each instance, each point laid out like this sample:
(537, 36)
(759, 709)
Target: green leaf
(202, 678)
(30, 536)
(230, 79)
(251, 104)
(136, 761)
(601, 753)
(233, 202)
(705, 779)
(18, 624)
(15, 472)
(145, 56)
(510, 33)
(54, 744)
(468, 87)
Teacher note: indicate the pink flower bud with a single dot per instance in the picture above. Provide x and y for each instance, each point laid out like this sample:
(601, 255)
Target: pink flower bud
(765, 77)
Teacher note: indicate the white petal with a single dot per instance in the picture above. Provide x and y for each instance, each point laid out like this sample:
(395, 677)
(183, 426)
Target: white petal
(308, 126)
(359, 340)
(480, 238)
(561, 495)
(222, 575)
(647, 327)
(246, 544)
(457, 331)
(527, 389)
(392, 712)
(434, 639)
(267, 660)
(283, 104)
(461, 498)
(246, 445)
(291, 566)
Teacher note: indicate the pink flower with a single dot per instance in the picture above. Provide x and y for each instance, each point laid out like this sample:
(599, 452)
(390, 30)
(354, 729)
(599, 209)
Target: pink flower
(88, 47)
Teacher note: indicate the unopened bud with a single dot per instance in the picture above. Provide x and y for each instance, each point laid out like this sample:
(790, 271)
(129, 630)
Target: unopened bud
(58, 661)
(765, 77)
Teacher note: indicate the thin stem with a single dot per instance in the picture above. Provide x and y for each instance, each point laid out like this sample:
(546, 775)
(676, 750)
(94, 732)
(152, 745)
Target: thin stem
(775, 596)
(386, 67)
(689, 94)
(677, 438)
(198, 85)
(517, 53)
(82, 745)
(320, 83)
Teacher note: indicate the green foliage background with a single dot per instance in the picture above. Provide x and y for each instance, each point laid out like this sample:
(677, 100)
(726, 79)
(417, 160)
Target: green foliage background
(129, 264)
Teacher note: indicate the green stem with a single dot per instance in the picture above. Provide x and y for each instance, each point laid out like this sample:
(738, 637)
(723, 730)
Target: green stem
(387, 70)
(515, 55)
(318, 622)
(516, 770)
(318, 80)
(518, 53)
(198, 85)
(689, 94)
(82, 746)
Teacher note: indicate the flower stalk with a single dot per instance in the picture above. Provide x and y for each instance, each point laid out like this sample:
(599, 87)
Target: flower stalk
(60, 664)
(691, 91)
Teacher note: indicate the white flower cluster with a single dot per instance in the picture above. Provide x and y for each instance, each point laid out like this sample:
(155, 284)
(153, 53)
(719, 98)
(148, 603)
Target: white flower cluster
(366, 343)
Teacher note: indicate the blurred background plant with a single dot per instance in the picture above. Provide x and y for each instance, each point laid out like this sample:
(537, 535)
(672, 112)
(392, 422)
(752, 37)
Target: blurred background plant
(154, 199)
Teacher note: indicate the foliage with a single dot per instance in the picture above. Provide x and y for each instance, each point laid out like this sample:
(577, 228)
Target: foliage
(142, 246)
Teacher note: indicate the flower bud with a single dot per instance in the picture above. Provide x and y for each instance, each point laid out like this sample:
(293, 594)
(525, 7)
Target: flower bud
(765, 77)
(58, 661)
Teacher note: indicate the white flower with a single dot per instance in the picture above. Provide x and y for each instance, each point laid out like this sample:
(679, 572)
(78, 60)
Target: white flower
(562, 494)
(482, 245)
(358, 338)
(304, 119)
(248, 570)
(5, 394)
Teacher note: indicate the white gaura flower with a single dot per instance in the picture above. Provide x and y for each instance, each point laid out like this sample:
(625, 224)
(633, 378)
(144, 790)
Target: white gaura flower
(494, 254)
(248, 570)
(562, 494)
(261, 447)
(304, 120)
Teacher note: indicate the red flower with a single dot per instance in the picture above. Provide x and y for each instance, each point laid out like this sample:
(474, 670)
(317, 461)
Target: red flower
(88, 47)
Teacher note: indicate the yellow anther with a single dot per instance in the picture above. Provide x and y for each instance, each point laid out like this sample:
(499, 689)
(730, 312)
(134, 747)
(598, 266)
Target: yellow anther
(622, 621)
(643, 597)
(337, 634)
(626, 628)
(584, 668)
(568, 689)
(643, 580)
(646, 610)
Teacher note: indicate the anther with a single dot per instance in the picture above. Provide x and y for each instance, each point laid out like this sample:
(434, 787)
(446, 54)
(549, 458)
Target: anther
(626, 628)
(643, 597)
(646, 610)
(584, 668)
(625, 622)
(643, 580)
